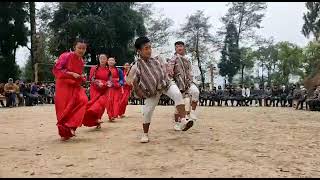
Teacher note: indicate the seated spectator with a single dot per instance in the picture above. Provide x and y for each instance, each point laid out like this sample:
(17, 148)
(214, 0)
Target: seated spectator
(267, 96)
(302, 97)
(283, 95)
(246, 95)
(313, 101)
(275, 98)
(290, 96)
(30, 99)
(219, 95)
(212, 96)
(2, 94)
(34, 93)
(238, 96)
(10, 90)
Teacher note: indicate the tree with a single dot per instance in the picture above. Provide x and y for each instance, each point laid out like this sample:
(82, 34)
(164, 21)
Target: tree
(32, 16)
(247, 16)
(230, 60)
(196, 33)
(108, 27)
(311, 58)
(13, 33)
(312, 20)
(267, 58)
(247, 57)
(290, 58)
(157, 26)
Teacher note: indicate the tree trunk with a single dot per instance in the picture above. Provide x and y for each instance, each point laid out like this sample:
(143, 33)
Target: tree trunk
(269, 78)
(32, 8)
(262, 77)
(198, 58)
(242, 73)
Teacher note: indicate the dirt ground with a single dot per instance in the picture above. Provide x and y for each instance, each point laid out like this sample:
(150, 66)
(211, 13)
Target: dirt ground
(225, 142)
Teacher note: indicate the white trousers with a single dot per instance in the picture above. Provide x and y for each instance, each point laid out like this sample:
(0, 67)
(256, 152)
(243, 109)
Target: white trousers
(150, 103)
(194, 92)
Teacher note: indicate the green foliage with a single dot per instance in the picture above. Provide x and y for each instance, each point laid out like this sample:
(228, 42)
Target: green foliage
(290, 58)
(197, 35)
(108, 27)
(312, 20)
(13, 33)
(230, 60)
(311, 60)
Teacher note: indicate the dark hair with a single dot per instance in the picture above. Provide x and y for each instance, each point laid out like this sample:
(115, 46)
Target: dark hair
(103, 54)
(141, 41)
(179, 43)
(79, 40)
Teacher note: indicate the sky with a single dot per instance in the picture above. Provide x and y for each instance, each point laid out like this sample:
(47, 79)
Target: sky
(283, 20)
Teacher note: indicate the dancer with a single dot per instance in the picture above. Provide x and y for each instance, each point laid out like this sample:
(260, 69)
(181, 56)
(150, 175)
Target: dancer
(180, 71)
(149, 79)
(99, 76)
(70, 98)
(115, 91)
(126, 91)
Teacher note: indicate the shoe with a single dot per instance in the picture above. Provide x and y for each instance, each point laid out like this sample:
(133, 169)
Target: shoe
(177, 126)
(193, 115)
(186, 124)
(98, 126)
(144, 138)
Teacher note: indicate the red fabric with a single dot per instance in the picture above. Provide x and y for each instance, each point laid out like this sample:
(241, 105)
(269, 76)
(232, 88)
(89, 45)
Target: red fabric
(114, 94)
(70, 98)
(98, 97)
(125, 96)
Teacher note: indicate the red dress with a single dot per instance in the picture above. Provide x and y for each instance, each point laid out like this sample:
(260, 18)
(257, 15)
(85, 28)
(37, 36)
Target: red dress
(70, 97)
(98, 96)
(114, 94)
(125, 96)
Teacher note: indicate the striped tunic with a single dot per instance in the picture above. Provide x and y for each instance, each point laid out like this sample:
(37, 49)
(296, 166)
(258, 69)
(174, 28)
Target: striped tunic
(148, 77)
(180, 70)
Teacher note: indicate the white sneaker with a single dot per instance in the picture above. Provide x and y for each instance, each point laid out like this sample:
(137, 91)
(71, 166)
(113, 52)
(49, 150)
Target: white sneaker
(144, 138)
(193, 115)
(186, 124)
(177, 126)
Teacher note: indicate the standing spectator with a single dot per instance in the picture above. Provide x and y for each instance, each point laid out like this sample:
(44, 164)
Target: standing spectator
(10, 90)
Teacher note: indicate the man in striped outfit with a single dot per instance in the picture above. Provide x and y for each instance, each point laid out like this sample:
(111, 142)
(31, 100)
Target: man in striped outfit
(180, 71)
(149, 78)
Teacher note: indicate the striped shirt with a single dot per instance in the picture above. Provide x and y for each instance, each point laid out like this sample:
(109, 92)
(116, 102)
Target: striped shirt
(148, 77)
(179, 68)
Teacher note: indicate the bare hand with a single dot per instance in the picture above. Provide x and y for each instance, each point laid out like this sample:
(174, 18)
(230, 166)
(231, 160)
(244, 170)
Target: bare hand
(75, 75)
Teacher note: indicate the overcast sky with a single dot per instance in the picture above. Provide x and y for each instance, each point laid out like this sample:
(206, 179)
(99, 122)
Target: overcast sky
(283, 20)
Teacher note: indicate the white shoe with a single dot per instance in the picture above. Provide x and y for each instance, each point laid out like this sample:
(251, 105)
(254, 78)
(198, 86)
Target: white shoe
(193, 115)
(177, 126)
(186, 124)
(144, 138)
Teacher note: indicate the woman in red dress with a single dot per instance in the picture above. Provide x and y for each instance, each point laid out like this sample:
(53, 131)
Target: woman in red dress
(126, 91)
(70, 97)
(99, 76)
(115, 91)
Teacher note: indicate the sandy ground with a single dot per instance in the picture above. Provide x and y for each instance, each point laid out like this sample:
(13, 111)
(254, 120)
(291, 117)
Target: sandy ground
(225, 142)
